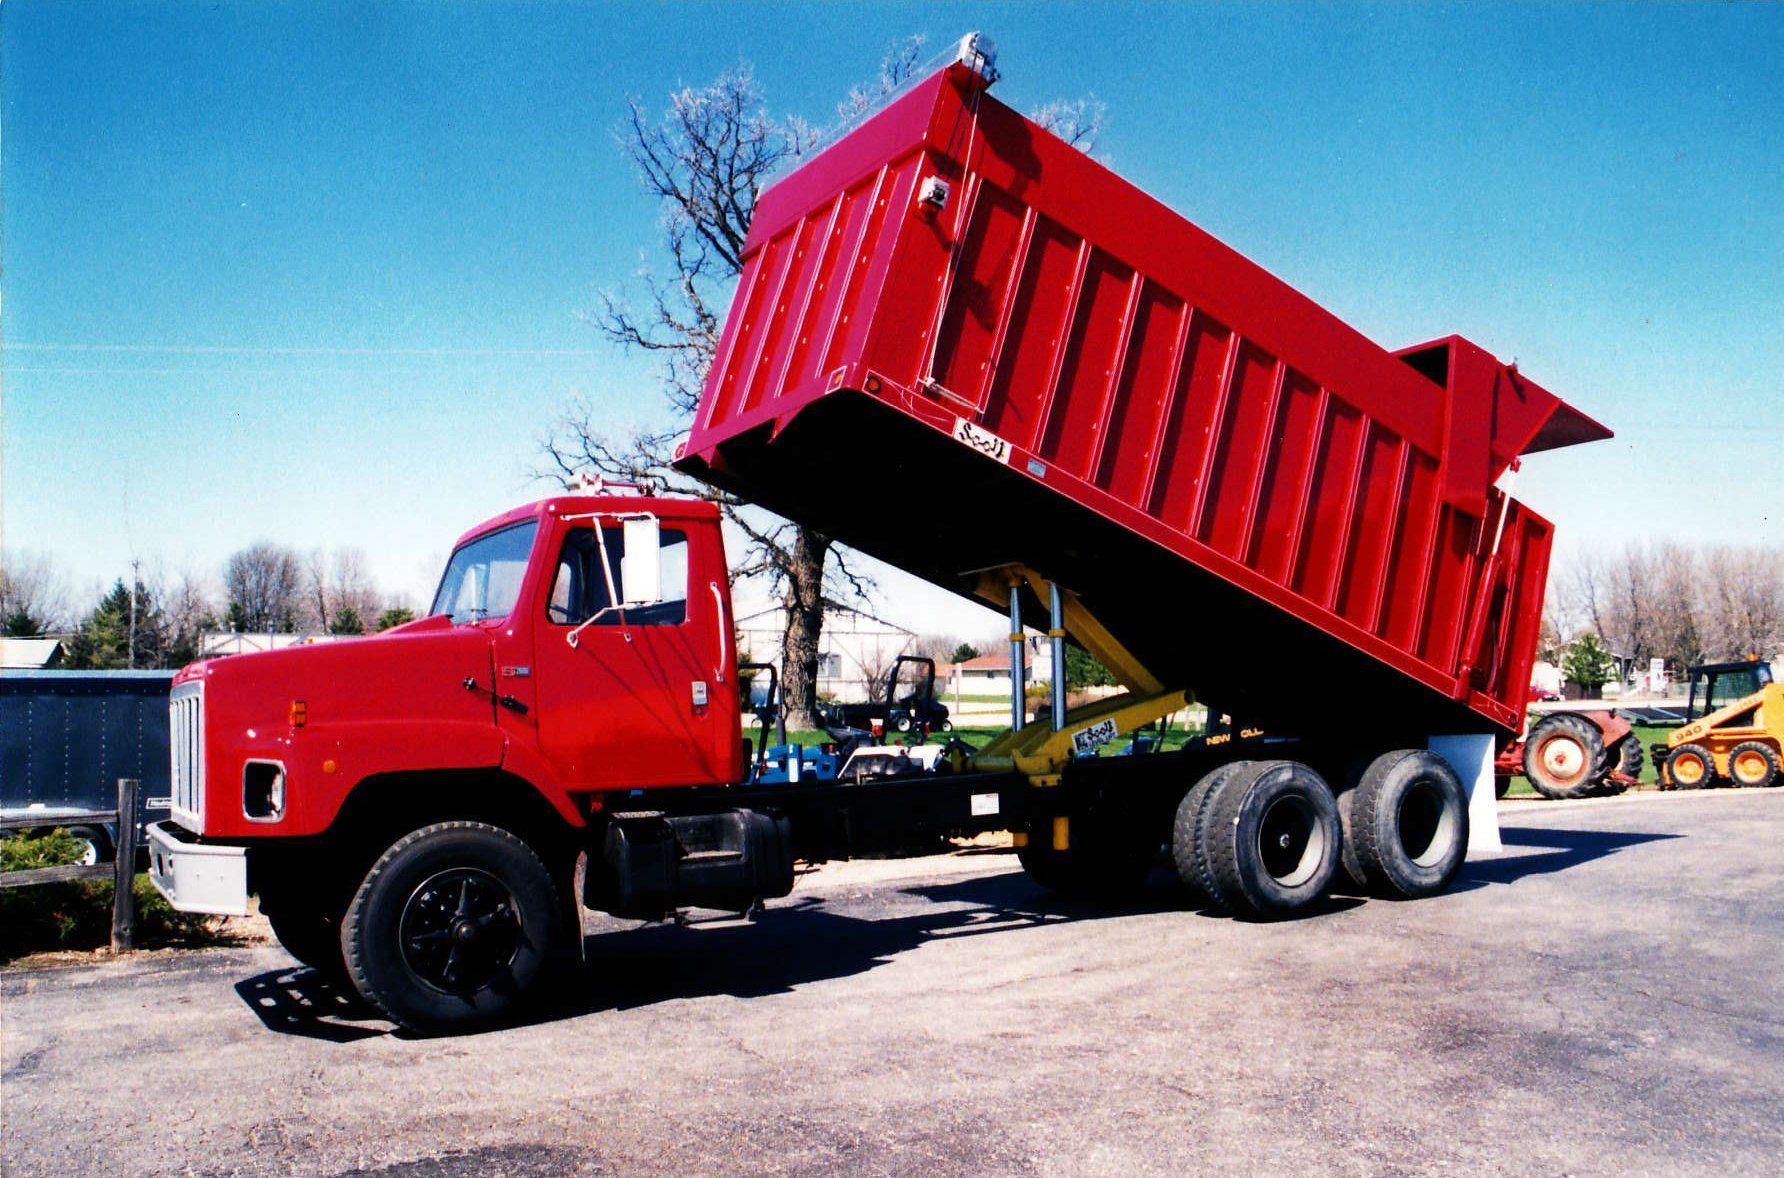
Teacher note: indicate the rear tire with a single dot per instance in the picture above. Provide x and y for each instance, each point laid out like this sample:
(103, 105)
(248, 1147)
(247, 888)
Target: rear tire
(1690, 766)
(1753, 764)
(452, 927)
(1564, 756)
(1272, 837)
(1189, 846)
(1405, 825)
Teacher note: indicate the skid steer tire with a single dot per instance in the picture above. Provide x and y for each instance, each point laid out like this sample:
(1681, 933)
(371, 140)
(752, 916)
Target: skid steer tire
(452, 927)
(1272, 836)
(1753, 764)
(1188, 846)
(1564, 756)
(1690, 766)
(1405, 825)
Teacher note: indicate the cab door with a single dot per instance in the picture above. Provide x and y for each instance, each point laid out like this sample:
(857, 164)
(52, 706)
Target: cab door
(640, 697)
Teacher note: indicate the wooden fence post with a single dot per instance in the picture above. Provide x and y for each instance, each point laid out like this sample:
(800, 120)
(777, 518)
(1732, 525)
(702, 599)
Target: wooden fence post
(123, 936)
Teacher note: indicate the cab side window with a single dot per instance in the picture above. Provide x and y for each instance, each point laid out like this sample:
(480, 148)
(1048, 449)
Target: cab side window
(579, 591)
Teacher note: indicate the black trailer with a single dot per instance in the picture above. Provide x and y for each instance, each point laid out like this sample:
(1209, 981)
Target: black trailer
(66, 737)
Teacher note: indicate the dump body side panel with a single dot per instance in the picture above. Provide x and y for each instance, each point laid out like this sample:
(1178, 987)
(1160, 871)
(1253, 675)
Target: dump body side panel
(1117, 371)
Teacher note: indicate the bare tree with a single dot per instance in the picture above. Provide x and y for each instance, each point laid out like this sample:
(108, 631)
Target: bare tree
(1676, 603)
(1744, 601)
(1078, 122)
(263, 583)
(703, 161)
(897, 68)
(336, 585)
(33, 596)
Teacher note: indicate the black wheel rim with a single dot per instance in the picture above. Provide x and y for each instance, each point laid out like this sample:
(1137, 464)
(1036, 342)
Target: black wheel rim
(460, 930)
(1290, 841)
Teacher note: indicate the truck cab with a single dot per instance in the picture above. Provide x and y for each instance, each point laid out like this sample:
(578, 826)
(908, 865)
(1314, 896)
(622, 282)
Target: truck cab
(578, 652)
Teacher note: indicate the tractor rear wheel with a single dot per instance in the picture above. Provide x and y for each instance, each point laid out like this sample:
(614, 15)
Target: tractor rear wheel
(1565, 756)
(1754, 764)
(1690, 766)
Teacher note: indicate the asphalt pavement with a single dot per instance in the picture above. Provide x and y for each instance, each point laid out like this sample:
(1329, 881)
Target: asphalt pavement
(1600, 999)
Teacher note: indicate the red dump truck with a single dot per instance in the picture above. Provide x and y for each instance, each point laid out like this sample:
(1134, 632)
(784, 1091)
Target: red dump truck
(1137, 440)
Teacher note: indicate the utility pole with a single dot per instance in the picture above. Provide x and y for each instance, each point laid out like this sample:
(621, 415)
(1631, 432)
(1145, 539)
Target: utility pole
(135, 567)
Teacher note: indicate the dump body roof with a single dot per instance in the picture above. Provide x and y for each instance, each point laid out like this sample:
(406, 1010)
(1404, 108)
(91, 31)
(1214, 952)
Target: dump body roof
(1043, 365)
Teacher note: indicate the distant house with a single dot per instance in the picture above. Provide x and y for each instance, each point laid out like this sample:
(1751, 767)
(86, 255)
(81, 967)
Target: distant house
(989, 674)
(854, 648)
(30, 654)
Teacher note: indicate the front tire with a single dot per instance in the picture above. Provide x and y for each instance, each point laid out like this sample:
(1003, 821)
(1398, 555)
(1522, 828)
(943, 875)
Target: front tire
(310, 933)
(1690, 766)
(453, 926)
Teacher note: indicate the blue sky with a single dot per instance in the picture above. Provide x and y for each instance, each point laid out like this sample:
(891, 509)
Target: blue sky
(314, 273)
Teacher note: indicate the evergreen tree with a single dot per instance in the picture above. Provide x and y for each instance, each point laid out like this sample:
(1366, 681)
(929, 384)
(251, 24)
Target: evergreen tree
(103, 641)
(346, 621)
(21, 623)
(395, 617)
(1588, 663)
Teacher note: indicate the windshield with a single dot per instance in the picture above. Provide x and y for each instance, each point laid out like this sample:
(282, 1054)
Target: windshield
(483, 577)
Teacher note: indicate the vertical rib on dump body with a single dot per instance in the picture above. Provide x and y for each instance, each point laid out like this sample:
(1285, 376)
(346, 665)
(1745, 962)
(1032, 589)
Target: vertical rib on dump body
(1046, 366)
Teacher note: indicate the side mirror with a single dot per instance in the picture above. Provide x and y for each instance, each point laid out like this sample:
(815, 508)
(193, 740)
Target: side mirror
(641, 568)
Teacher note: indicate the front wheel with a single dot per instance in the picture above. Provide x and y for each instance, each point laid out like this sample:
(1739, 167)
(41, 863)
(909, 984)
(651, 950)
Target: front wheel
(452, 926)
(311, 933)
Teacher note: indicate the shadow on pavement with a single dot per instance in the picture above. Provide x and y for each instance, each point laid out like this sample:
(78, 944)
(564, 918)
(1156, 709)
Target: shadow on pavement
(1553, 850)
(300, 1001)
(802, 940)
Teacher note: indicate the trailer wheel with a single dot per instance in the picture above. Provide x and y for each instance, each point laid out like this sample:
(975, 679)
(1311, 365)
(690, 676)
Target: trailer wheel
(1272, 836)
(1690, 766)
(1405, 825)
(1564, 756)
(1189, 846)
(96, 847)
(451, 927)
(1754, 764)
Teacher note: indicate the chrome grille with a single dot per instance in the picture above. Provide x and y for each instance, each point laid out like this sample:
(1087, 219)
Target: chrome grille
(185, 744)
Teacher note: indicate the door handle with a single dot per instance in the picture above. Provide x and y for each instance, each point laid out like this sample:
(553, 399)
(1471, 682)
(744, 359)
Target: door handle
(718, 600)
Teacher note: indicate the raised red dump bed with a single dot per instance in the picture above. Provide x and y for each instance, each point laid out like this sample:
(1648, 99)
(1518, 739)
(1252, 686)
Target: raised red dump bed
(1047, 366)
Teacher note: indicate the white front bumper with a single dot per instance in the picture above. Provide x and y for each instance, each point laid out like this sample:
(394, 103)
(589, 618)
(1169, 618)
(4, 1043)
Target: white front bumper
(197, 877)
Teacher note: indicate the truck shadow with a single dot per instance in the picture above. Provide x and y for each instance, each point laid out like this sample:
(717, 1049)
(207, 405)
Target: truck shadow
(804, 939)
(1536, 850)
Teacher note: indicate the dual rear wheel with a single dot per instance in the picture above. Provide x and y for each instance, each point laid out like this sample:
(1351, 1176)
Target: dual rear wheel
(1265, 839)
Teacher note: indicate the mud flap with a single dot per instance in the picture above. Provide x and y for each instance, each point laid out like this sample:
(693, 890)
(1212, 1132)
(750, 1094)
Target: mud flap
(1472, 759)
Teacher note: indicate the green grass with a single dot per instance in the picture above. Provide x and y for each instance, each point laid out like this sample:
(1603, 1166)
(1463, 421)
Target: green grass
(77, 915)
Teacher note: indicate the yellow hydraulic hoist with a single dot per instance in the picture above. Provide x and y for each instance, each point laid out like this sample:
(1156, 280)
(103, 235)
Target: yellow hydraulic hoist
(1041, 751)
